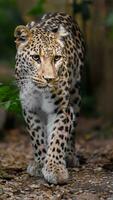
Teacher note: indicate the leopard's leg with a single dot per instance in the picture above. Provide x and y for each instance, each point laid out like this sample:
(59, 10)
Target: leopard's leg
(38, 138)
(71, 157)
(54, 169)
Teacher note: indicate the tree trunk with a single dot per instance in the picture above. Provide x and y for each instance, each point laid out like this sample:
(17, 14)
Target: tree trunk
(101, 54)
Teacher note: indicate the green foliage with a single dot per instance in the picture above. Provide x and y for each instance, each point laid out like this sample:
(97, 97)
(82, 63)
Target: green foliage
(9, 99)
(109, 19)
(9, 18)
(109, 25)
(38, 8)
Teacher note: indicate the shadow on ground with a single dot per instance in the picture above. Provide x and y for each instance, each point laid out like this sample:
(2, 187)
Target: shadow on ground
(92, 180)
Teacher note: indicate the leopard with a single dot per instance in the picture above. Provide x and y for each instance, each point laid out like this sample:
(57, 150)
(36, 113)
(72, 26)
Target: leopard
(49, 62)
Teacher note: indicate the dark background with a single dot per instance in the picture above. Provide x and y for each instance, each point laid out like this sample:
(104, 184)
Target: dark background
(93, 179)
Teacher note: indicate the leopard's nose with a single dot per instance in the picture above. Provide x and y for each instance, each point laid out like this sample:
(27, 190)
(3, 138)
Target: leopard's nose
(48, 72)
(48, 77)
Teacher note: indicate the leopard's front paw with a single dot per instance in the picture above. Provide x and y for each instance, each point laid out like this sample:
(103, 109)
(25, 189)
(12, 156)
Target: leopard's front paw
(34, 169)
(55, 173)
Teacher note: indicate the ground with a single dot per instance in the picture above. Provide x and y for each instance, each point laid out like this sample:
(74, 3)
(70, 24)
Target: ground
(92, 180)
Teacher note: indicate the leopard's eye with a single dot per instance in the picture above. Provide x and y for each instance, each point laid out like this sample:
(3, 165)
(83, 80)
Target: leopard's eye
(56, 58)
(36, 58)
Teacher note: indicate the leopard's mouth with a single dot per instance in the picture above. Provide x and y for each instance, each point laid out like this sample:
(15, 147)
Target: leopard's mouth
(44, 83)
(39, 81)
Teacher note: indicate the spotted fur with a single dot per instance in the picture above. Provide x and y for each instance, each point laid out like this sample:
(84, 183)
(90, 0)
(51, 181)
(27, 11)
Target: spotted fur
(49, 59)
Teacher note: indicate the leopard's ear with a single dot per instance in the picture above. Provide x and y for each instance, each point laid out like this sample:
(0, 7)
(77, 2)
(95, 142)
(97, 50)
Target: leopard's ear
(61, 33)
(22, 35)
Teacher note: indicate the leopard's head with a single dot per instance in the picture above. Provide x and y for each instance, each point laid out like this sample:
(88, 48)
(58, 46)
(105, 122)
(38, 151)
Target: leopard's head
(41, 55)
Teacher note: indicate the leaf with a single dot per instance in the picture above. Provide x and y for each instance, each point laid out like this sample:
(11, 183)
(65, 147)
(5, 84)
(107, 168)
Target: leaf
(9, 98)
(109, 19)
(7, 105)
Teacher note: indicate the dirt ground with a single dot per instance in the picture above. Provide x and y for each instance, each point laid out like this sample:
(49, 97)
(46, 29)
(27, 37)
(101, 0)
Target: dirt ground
(92, 180)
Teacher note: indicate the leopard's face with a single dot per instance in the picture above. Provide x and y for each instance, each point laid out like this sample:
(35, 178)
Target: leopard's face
(41, 56)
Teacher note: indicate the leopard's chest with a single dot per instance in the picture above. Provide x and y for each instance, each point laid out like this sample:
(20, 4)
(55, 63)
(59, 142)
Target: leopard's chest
(36, 99)
(47, 104)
